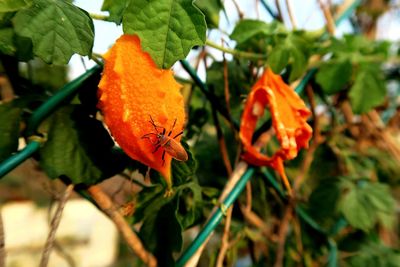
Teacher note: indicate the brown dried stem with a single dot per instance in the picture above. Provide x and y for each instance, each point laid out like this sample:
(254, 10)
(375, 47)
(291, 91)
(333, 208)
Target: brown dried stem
(2, 244)
(283, 230)
(278, 8)
(317, 140)
(134, 242)
(55, 222)
(330, 22)
(291, 14)
(239, 11)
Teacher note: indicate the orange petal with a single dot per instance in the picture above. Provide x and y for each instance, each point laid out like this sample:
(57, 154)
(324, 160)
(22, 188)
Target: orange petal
(131, 90)
(289, 115)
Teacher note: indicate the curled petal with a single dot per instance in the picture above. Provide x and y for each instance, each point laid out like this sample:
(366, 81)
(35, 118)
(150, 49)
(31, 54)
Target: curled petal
(289, 115)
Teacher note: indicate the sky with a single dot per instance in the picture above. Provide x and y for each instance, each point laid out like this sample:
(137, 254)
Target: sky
(307, 15)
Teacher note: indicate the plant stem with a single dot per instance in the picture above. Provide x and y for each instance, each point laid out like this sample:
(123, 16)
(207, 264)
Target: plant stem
(99, 16)
(237, 53)
(134, 242)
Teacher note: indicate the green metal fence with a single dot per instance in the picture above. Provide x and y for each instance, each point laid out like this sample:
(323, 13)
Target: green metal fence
(70, 89)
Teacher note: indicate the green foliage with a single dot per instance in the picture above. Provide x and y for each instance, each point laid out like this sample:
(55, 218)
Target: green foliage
(333, 76)
(167, 29)
(13, 5)
(10, 118)
(247, 29)
(375, 255)
(116, 8)
(165, 218)
(283, 47)
(211, 10)
(368, 82)
(57, 29)
(77, 147)
(6, 41)
(365, 204)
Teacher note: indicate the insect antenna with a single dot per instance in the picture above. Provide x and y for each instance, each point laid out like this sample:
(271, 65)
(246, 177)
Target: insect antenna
(172, 128)
(156, 126)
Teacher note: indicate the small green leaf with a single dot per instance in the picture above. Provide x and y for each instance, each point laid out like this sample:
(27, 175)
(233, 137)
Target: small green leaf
(13, 5)
(10, 118)
(116, 8)
(167, 29)
(7, 41)
(248, 28)
(368, 90)
(78, 147)
(211, 9)
(58, 30)
(334, 76)
(278, 58)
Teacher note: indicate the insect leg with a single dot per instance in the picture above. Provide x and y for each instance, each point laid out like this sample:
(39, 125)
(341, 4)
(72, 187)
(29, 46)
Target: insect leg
(163, 158)
(177, 135)
(155, 150)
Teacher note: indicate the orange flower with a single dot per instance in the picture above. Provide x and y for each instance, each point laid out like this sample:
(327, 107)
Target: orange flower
(289, 115)
(132, 92)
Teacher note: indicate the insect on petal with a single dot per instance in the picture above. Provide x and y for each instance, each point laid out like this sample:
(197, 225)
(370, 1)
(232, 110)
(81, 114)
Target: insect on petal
(132, 90)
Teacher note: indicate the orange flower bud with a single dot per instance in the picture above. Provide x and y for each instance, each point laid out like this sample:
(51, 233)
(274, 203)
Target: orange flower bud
(133, 91)
(289, 115)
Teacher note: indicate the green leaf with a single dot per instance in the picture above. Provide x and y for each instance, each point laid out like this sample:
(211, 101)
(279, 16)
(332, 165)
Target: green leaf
(366, 204)
(374, 254)
(10, 118)
(298, 55)
(162, 234)
(247, 28)
(211, 9)
(167, 29)
(6, 41)
(278, 58)
(333, 76)
(190, 206)
(116, 8)
(323, 200)
(78, 147)
(13, 5)
(355, 209)
(164, 218)
(368, 90)
(58, 30)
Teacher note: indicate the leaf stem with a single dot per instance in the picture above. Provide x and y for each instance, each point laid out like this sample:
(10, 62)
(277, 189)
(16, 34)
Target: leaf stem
(99, 16)
(237, 53)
